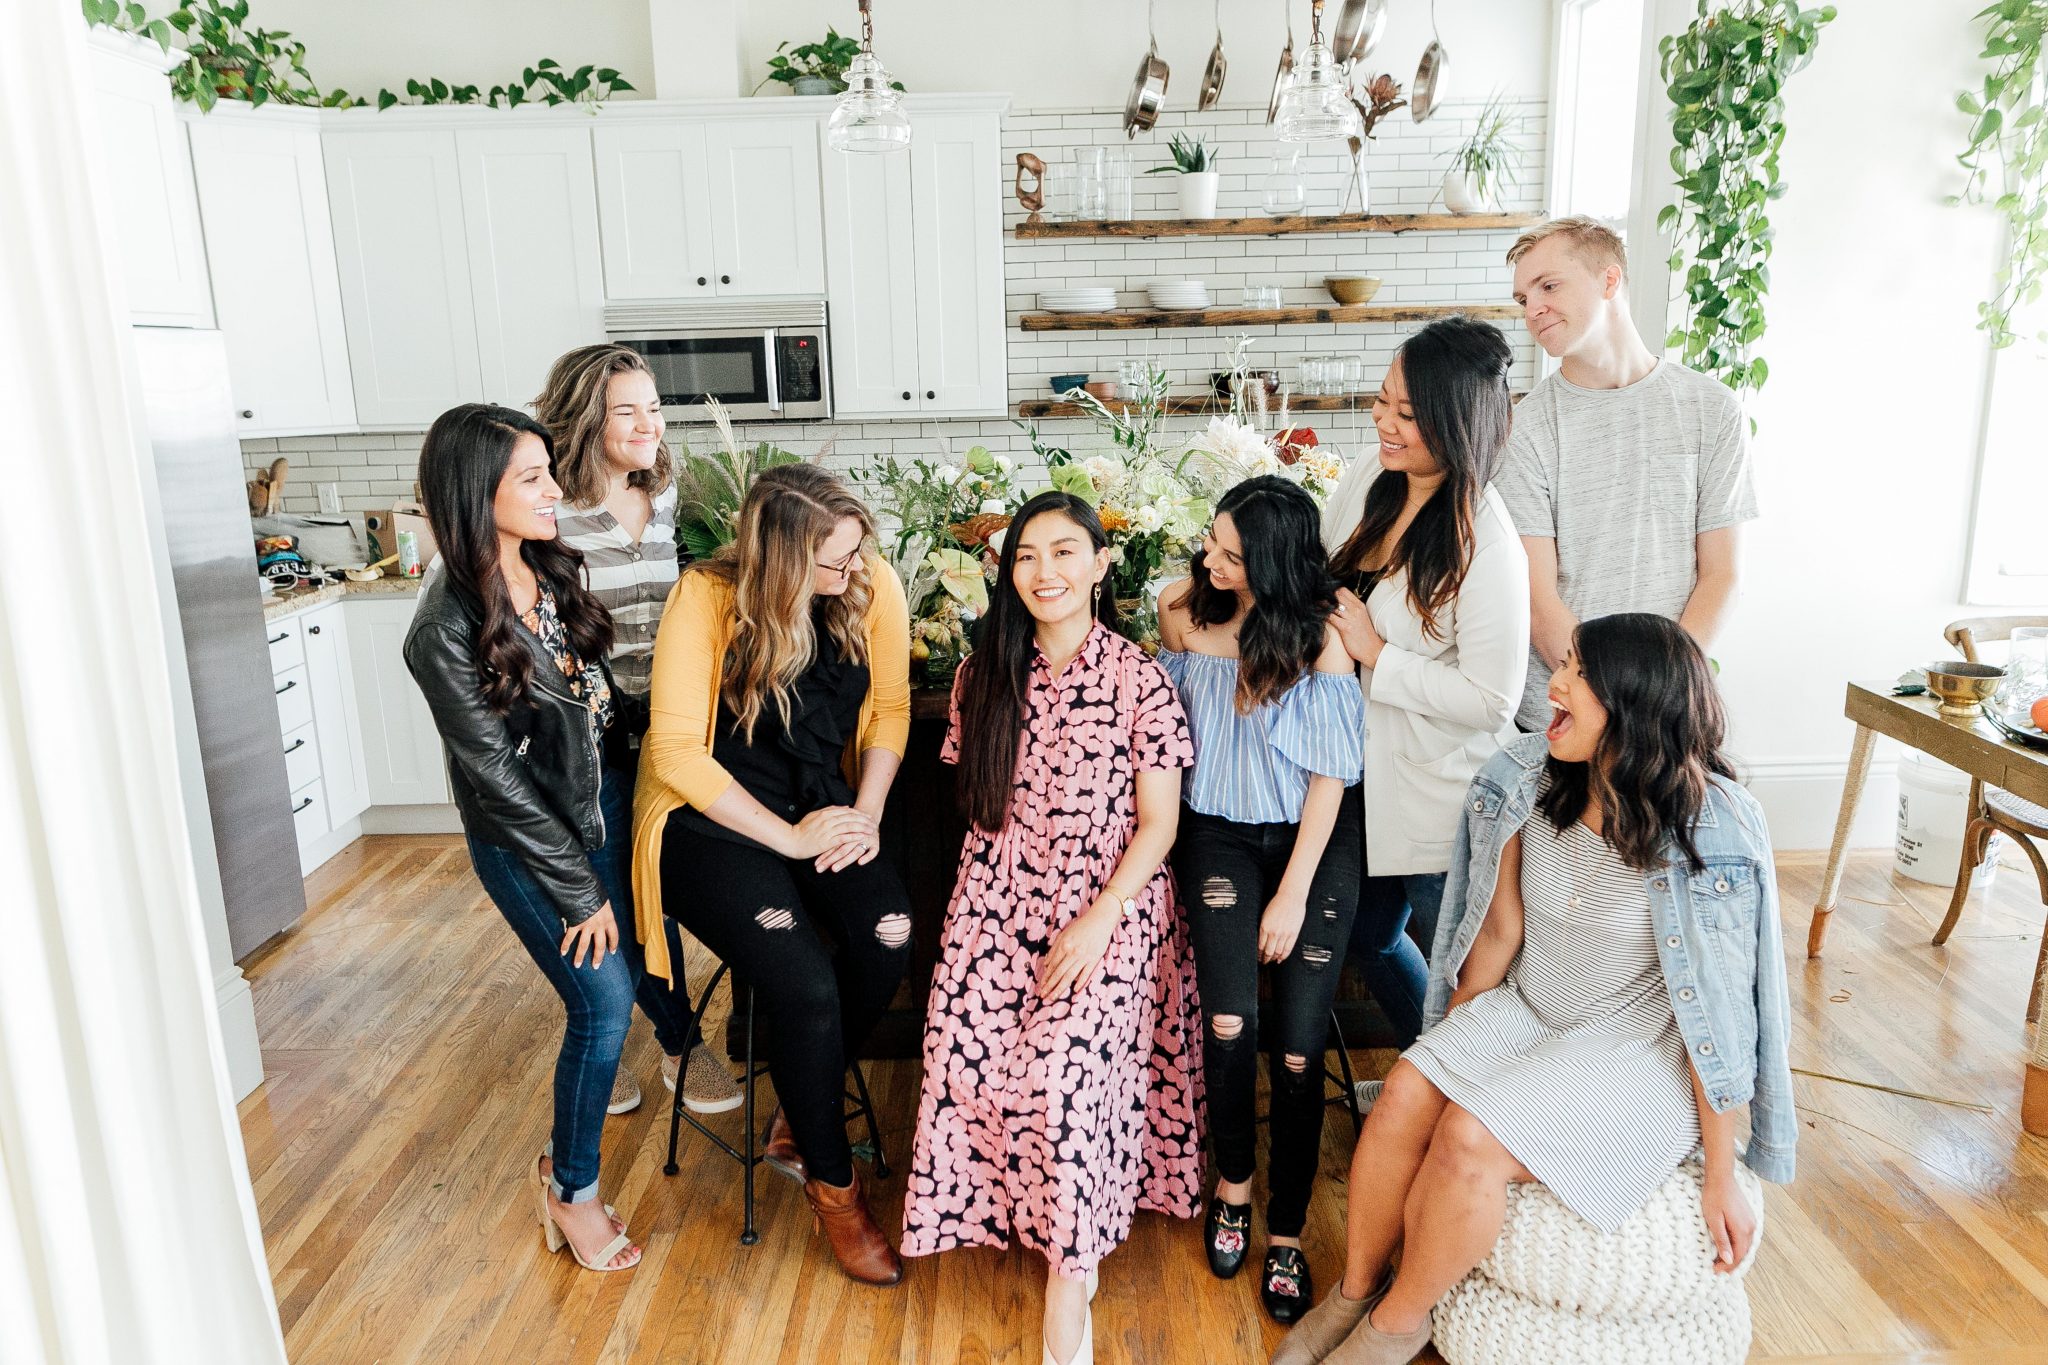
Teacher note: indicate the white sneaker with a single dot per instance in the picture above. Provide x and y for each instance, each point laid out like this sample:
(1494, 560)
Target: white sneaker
(708, 1084)
(625, 1093)
(1367, 1093)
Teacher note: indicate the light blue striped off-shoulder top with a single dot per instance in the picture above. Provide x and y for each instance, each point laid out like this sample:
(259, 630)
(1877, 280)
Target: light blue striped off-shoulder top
(1255, 769)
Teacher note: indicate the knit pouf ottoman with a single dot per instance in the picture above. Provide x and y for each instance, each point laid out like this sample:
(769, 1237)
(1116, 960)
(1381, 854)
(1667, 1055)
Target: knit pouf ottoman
(1558, 1291)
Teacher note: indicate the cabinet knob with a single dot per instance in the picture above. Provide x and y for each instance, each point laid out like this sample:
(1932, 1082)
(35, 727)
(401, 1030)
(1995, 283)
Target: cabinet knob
(702, 281)
(930, 393)
(248, 413)
(906, 395)
(312, 630)
(725, 279)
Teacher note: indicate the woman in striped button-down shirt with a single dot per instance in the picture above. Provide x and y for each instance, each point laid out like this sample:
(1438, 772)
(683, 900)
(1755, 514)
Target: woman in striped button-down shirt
(1266, 860)
(619, 508)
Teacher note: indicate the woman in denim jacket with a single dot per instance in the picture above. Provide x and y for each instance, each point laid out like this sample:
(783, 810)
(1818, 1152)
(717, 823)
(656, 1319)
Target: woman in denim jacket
(1607, 987)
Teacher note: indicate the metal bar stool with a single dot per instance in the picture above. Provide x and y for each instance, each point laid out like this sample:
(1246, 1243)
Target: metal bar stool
(753, 1137)
(1348, 1093)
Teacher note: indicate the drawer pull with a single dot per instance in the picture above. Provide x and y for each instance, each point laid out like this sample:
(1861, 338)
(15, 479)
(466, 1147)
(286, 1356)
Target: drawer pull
(312, 630)
(302, 805)
(287, 687)
(295, 746)
(280, 638)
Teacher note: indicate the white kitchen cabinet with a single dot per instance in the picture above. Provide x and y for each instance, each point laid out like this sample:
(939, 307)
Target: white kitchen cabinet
(767, 233)
(147, 172)
(529, 210)
(703, 208)
(654, 210)
(330, 678)
(914, 249)
(403, 259)
(401, 749)
(263, 207)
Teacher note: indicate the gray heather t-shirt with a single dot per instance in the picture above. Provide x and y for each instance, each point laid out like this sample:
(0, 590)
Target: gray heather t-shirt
(1623, 480)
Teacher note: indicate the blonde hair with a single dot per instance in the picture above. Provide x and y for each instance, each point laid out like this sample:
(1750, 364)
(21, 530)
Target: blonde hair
(1591, 241)
(788, 514)
(575, 406)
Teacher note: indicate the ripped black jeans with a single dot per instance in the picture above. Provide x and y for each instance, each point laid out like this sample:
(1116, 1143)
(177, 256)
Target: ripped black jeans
(1226, 872)
(770, 919)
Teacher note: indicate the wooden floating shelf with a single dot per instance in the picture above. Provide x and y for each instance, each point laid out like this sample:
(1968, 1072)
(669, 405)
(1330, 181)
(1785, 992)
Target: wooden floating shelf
(1183, 403)
(1275, 227)
(1126, 319)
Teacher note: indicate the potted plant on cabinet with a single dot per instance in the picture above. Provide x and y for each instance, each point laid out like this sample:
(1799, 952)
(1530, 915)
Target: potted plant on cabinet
(1485, 163)
(816, 68)
(1198, 181)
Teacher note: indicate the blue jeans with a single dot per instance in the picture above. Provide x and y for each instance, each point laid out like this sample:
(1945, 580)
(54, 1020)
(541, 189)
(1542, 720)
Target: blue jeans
(598, 999)
(1390, 941)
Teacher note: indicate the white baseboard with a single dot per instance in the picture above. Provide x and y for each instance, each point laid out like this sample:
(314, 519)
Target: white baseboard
(237, 1010)
(1801, 797)
(436, 819)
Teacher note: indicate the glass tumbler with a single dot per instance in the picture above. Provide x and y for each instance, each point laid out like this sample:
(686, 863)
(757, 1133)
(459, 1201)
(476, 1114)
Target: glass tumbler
(1119, 188)
(1091, 182)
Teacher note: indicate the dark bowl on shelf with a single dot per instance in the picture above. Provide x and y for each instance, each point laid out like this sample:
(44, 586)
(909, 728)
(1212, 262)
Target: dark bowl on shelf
(1066, 383)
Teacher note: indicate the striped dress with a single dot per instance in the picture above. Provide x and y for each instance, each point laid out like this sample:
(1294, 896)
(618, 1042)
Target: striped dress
(1575, 1062)
(631, 578)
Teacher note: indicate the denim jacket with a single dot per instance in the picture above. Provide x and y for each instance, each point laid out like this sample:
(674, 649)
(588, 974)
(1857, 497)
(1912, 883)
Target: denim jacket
(1717, 939)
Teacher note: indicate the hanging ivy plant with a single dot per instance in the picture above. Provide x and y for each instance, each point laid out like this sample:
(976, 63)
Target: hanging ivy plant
(1725, 74)
(2008, 156)
(227, 58)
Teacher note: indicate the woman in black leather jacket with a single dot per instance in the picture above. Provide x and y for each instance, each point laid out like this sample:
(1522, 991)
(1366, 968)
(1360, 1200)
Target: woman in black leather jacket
(509, 649)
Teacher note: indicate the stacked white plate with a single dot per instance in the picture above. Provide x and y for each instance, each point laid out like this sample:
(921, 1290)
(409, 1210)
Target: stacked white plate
(1179, 295)
(1088, 299)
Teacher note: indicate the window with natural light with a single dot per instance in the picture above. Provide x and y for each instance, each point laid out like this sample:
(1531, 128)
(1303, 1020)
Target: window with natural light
(2008, 552)
(1599, 45)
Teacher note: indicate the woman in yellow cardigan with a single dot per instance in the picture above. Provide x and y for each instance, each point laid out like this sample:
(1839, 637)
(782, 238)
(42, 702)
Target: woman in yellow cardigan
(780, 703)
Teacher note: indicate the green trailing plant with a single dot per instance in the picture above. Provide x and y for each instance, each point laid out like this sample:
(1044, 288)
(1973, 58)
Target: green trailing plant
(1190, 156)
(2008, 156)
(826, 60)
(710, 488)
(1490, 156)
(228, 58)
(1725, 74)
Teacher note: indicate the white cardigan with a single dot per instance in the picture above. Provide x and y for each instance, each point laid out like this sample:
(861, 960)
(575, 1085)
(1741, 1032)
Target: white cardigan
(1435, 709)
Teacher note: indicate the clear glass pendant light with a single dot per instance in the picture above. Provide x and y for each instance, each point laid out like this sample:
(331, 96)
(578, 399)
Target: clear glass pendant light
(1314, 106)
(869, 116)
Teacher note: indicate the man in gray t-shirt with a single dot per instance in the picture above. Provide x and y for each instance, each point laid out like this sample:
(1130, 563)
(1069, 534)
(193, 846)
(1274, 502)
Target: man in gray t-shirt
(1626, 475)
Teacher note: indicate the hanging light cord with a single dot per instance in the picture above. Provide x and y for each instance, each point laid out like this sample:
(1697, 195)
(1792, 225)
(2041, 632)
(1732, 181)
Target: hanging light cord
(867, 29)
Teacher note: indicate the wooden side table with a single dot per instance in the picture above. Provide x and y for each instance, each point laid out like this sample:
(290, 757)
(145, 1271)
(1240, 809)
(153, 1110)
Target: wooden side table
(1966, 742)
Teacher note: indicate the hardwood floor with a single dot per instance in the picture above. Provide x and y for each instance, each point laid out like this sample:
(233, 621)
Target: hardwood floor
(408, 1050)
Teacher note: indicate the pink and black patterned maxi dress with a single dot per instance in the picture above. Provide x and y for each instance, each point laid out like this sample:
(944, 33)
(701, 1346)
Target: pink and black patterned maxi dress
(1054, 1120)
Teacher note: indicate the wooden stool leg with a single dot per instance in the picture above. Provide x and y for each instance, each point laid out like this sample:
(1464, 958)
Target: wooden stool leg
(1852, 792)
(1975, 837)
(748, 1236)
(2034, 1097)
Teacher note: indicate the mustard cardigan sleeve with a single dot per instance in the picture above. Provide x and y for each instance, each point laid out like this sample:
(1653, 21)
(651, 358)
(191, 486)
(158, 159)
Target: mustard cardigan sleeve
(887, 726)
(683, 694)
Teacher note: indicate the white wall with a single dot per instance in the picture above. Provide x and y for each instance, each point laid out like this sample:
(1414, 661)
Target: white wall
(1046, 53)
(1869, 426)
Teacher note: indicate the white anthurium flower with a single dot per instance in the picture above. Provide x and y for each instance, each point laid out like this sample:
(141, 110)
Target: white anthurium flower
(1005, 464)
(946, 473)
(991, 505)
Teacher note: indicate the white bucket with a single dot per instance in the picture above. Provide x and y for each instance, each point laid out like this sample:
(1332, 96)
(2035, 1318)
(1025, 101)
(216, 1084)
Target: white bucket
(1934, 807)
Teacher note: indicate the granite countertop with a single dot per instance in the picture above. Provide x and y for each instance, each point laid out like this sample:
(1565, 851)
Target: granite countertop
(291, 603)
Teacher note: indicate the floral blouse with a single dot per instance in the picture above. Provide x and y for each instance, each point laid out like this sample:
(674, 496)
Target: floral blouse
(586, 681)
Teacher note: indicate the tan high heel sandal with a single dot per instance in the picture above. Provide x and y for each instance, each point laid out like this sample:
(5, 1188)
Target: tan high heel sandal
(557, 1239)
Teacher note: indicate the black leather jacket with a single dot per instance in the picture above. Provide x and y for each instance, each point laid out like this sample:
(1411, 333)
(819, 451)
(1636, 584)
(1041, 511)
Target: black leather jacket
(527, 781)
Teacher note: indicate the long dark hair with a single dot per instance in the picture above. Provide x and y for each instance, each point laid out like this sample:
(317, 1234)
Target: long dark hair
(1293, 594)
(1457, 374)
(1662, 745)
(464, 459)
(996, 678)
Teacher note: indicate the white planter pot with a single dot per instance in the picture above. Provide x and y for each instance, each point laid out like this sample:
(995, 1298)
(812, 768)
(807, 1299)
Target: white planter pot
(1198, 194)
(1461, 195)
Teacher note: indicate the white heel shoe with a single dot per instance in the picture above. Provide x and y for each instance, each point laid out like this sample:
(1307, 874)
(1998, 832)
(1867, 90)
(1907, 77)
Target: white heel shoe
(1084, 1354)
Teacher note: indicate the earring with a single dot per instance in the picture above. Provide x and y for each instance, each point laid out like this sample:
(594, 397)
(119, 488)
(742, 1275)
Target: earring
(1095, 597)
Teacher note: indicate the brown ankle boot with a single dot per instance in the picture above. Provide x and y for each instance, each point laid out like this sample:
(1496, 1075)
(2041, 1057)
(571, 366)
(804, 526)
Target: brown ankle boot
(780, 1150)
(863, 1253)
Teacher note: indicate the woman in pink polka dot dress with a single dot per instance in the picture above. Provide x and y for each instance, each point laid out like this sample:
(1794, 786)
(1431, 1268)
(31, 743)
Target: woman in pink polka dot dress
(1062, 1066)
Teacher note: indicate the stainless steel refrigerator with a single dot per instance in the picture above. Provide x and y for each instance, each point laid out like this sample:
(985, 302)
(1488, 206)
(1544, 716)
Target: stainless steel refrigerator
(205, 531)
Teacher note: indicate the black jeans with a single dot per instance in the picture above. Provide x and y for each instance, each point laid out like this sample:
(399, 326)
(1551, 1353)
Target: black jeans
(769, 918)
(1227, 872)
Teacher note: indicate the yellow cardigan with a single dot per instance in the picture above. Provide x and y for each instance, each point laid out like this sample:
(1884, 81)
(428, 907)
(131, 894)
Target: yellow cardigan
(676, 766)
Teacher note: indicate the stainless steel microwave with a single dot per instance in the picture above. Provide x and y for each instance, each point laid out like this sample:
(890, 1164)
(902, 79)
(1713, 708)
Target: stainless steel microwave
(765, 361)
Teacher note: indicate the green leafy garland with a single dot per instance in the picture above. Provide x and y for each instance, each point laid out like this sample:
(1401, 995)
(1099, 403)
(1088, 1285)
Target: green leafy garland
(1725, 74)
(226, 58)
(2008, 156)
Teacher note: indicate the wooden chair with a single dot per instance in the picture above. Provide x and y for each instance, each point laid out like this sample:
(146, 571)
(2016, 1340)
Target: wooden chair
(1993, 811)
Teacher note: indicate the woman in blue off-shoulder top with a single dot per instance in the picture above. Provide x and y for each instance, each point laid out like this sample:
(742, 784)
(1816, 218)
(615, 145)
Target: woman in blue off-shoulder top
(1278, 721)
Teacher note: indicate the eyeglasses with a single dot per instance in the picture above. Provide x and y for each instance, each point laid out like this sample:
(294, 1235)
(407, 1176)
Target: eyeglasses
(844, 566)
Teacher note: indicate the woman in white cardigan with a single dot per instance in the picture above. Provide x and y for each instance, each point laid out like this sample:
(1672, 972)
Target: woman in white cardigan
(1435, 609)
